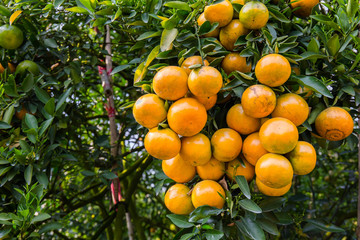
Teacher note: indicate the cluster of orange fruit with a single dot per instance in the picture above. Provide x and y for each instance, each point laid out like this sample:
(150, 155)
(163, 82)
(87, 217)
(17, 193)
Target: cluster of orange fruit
(268, 123)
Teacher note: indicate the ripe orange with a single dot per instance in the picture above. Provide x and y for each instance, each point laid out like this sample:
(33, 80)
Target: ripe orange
(170, 83)
(208, 102)
(149, 110)
(221, 12)
(278, 135)
(2, 69)
(208, 192)
(187, 117)
(334, 124)
(272, 192)
(296, 70)
(302, 158)
(196, 150)
(156, 139)
(273, 70)
(254, 15)
(193, 60)
(293, 107)
(26, 66)
(22, 113)
(235, 168)
(178, 169)
(11, 37)
(305, 90)
(303, 7)
(214, 33)
(274, 170)
(231, 32)
(12, 67)
(253, 149)
(234, 62)
(205, 81)
(177, 199)
(239, 121)
(212, 170)
(226, 144)
(258, 101)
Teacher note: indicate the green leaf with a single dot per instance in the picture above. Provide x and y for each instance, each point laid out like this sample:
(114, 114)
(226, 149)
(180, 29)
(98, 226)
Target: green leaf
(333, 45)
(51, 43)
(9, 114)
(167, 37)
(28, 83)
(180, 221)
(109, 175)
(119, 69)
(41, 94)
(57, 3)
(4, 170)
(50, 226)
(44, 126)
(41, 217)
(76, 10)
(86, 4)
(50, 106)
(28, 174)
(310, 56)
(315, 84)
(313, 46)
(278, 15)
(352, 7)
(4, 232)
(42, 178)
(268, 226)
(4, 217)
(272, 203)
(147, 35)
(31, 121)
(250, 228)
(4, 125)
(203, 212)
(324, 227)
(10, 87)
(250, 205)
(152, 56)
(243, 185)
(140, 73)
(349, 90)
(188, 236)
(213, 234)
(62, 99)
(88, 173)
(321, 18)
(5, 11)
(178, 5)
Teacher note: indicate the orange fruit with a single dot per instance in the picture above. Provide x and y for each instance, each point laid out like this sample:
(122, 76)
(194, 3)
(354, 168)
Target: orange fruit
(178, 169)
(149, 110)
(200, 21)
(226, 144)
(221, 12)
(235, 168)
(156, 139)
(2, 69)
(11, 37)
(239, 121)
(258, 101)
(208, 192)
(296, 70)
(12, 67)
(234, 62)
(170, 83)
(187, 117)
(306, 91)
(273, 70)
(22, 113)
(205, 81)
(196, 150)
(303, 7)
(193, 60)
(212, 170)
(272, 192)
(302, 158)
(278, 135)
(231, 32)
(177, 199)
(254, 15)
(334, 124)
(252, 148)
(208, 102)
(28, 66)
(293, 107)
(274, 170)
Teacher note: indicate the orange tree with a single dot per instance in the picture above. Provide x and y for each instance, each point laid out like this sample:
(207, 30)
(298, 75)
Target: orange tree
(72, 158)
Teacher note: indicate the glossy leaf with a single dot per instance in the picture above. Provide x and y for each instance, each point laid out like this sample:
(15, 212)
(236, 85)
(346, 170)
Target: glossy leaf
(180, 221)
(243, 185)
